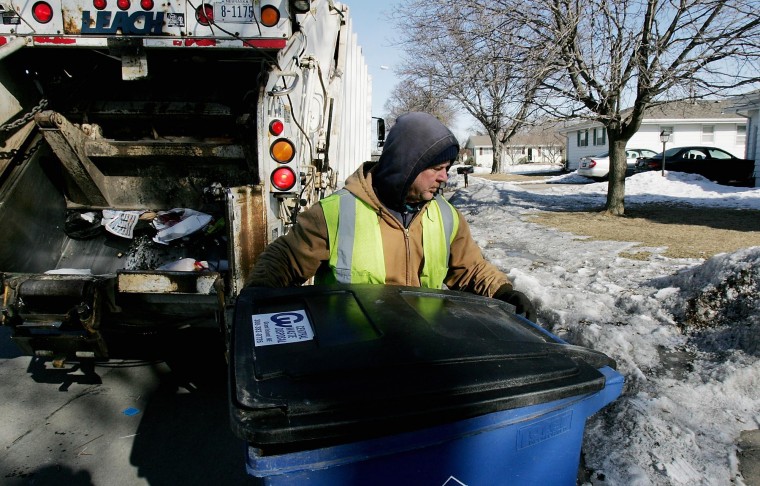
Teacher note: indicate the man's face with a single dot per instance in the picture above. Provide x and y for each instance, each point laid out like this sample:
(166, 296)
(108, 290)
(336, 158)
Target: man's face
(427, 183)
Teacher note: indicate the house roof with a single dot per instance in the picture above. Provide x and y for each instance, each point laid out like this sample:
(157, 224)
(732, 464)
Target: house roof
(689, 110)
(542, 135)
(746, 101)
(715, 111)
(478, 141)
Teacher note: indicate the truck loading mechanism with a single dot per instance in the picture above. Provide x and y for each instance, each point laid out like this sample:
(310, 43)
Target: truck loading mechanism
(118, 114)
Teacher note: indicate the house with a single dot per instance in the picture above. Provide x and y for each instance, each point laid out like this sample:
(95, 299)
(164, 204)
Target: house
(465, 156)
(534, 145)
(699, 122)
(748, 105)
(481, 149)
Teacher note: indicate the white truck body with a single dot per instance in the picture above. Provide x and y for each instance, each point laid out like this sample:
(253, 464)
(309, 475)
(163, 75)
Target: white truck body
(135, 108)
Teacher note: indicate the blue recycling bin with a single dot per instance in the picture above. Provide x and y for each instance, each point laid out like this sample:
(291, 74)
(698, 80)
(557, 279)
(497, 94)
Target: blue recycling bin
(372, 384)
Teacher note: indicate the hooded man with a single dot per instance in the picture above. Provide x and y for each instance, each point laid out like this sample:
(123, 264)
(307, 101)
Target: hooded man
(388, 225)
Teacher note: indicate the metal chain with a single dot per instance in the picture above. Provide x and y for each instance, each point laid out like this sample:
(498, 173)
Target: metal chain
(26, 118)
(27, 155)
(8, 127)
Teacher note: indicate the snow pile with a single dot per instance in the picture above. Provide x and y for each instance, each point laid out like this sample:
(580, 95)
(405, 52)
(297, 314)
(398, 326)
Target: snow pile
(721, 300)
(684, 332)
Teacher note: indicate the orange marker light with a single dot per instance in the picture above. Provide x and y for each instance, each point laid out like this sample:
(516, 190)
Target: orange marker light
(270, 16)
(282, 150)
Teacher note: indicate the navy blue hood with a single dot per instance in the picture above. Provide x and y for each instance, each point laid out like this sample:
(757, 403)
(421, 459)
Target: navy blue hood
(417, 141)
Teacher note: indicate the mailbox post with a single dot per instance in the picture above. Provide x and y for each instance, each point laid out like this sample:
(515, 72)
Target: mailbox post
(664, 138)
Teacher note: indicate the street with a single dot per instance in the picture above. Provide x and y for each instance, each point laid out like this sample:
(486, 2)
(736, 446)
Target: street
(120, 422)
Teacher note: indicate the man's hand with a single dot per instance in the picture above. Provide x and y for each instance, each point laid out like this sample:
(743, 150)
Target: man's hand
(523, 305)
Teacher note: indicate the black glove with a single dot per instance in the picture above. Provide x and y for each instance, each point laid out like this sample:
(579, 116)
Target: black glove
(523, 305)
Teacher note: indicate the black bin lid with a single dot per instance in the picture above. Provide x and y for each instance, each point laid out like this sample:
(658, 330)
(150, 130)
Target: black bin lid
(320, 365)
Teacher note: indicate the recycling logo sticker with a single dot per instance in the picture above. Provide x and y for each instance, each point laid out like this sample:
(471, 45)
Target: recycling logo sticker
(281, 328)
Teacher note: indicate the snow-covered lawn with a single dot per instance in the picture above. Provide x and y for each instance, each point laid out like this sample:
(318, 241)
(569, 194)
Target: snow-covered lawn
(688, 394)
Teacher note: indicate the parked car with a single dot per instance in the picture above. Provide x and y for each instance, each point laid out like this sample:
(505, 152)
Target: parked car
(598, 167)
(711, 162)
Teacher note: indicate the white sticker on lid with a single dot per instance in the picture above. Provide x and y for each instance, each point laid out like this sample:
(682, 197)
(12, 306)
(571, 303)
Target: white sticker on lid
(281, 328)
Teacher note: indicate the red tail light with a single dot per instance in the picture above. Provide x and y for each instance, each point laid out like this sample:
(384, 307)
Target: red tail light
(204, 14)
(276, 127)
(283, 178)
(282, 150)
(42, 12)
(591, 163)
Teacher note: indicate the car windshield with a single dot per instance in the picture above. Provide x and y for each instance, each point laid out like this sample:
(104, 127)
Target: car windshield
(719, 154)
(668, 153)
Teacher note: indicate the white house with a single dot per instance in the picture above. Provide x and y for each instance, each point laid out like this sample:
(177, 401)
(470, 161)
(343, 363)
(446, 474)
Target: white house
(482, 150)
(536, 145)
(701, 122)
(748, 105)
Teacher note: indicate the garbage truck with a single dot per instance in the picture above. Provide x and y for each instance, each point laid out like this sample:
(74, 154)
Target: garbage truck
(150, 150)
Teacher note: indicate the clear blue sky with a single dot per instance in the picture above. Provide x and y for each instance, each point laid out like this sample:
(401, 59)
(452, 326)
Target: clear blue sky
(374, 29)
(375, 32)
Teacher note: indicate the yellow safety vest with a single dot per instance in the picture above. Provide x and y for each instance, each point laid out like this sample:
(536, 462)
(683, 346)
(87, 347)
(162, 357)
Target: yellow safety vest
(356, 247)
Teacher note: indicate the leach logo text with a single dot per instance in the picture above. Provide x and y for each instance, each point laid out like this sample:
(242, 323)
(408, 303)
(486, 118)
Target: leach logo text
(124, 22)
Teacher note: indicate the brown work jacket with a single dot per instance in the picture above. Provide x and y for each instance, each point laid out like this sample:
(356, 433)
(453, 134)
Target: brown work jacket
(295, 257)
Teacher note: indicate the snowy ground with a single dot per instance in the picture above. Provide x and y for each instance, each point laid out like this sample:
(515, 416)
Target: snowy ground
(689, 393)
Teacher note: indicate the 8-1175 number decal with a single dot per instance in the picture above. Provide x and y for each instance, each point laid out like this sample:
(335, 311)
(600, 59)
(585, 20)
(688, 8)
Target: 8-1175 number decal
(233, 11)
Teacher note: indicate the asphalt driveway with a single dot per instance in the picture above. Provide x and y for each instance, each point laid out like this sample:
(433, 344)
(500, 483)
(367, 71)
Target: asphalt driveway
(117, 423)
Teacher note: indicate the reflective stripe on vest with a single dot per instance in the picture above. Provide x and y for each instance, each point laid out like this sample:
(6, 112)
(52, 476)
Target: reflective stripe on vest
(439, 226)
(356, 250)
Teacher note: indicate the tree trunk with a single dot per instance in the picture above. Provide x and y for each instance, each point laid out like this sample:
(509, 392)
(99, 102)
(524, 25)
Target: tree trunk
(616, 189)
(496, 166)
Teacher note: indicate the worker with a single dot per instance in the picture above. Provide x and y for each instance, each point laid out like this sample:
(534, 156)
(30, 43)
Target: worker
(389, 225)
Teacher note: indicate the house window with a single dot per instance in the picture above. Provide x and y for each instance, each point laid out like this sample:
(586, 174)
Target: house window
(708, 134)
(600, 136)
(582, 138)
(741, 134)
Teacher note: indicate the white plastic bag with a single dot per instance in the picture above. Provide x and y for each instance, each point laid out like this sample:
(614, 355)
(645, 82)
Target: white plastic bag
(177, 223)
(184, 265)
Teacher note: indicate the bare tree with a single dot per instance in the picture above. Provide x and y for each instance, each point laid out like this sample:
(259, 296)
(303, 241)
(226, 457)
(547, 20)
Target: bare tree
(555, 152)
(545, 138)
(618, 54)
(450, 46)
(410, 95)
(600, 60)
(513, 152)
